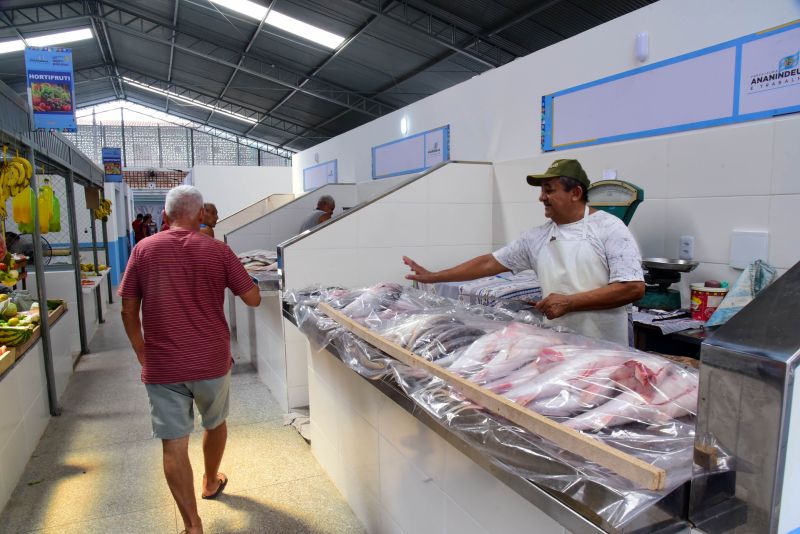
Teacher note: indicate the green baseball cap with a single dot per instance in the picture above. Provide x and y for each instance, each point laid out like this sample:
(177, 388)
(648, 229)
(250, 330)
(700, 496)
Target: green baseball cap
(562, 167)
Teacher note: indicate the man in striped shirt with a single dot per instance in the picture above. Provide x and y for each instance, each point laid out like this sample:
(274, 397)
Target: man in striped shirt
(178, 280)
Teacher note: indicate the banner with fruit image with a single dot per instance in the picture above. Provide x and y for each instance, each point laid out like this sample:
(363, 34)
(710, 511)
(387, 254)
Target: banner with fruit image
(51, 88)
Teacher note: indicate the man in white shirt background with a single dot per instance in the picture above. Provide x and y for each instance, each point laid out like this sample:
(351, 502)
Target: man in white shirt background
(588, 262)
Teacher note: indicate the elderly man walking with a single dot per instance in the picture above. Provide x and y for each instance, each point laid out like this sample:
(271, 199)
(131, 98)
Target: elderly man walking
(178, 280)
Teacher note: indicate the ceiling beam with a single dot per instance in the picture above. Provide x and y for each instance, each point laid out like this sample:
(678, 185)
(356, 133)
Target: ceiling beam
(285, 127)
(145, 28)
(23, 17)
(443, 32)
(172, 47)
(244, 55)
(360, 31)
(525, 15)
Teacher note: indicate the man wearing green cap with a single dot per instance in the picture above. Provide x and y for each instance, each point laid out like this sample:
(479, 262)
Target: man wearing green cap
(588, 263)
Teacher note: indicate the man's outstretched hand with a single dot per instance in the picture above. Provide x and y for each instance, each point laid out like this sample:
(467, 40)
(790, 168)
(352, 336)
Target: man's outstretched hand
(419, 273)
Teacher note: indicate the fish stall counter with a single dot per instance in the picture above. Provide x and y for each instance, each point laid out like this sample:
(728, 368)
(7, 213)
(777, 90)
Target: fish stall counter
(412, 453)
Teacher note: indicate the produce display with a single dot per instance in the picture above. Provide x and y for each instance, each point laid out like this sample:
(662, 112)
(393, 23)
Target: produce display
(104, 211)
(640, 403)
(16, 327)
(88, 269)
(9, 274)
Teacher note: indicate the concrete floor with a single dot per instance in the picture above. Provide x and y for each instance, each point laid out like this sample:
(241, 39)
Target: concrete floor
(98, 469)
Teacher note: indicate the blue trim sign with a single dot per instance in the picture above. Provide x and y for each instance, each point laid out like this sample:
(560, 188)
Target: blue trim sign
(411, 154)
(319, 175)
(51, 88)
(753, 77)
(112, 164)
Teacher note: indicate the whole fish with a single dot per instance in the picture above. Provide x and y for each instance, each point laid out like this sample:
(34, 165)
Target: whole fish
(524, 351)
(492, 344)
(658, 392)
(580, 394)
(572, 371)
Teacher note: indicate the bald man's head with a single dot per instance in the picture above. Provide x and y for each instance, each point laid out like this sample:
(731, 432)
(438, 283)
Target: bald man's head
(211, 217)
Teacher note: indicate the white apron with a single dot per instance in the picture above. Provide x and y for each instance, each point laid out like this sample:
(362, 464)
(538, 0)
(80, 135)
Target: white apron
(569, 266)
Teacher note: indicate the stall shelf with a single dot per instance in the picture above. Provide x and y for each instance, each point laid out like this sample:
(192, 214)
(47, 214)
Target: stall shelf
(40, 380)
(440, 465)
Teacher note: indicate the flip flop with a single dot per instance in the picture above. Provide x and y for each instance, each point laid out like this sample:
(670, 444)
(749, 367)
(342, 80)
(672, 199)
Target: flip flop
(223, 481)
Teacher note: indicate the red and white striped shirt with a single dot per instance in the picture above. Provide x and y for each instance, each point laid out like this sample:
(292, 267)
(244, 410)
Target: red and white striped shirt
(181, 276)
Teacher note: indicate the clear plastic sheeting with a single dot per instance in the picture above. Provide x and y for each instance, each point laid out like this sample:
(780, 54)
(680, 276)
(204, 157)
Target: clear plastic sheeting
(639, 403)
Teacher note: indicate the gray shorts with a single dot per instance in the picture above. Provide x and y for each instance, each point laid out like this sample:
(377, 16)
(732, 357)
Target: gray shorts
(172, 405)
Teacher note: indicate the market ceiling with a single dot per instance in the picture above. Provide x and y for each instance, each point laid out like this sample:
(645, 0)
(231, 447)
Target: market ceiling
(240, 66)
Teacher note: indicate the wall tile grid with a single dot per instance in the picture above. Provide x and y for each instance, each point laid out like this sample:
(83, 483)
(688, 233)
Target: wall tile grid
(704, 183)
(448, 208)
(395, 471)
(25, 414)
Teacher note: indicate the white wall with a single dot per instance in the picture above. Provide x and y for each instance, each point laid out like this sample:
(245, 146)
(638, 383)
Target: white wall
(705, 183)
(284, 222)
(443, 217)
(504, 104)
(397, 474)
(233, 188)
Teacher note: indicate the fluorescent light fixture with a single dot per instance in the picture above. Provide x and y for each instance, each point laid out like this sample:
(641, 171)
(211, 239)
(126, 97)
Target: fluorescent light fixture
(404, 125)
(245, 7)
(11, 46)
(47, 40)
(61, 38)
(283, 22)
(301, 29)
(209, 107)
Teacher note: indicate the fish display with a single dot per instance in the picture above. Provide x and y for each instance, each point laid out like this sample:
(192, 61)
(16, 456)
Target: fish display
(587, 384)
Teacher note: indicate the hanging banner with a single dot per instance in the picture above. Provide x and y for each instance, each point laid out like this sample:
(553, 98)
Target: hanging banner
(112, 164)
(51, 88)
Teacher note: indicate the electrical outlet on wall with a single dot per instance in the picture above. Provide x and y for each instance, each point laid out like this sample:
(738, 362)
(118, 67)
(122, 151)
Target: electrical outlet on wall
(686, 247)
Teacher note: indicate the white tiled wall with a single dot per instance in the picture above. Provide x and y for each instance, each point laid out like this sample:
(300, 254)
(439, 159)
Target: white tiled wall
(399, 476)
(283, 223)
(704, 183)
(440, 219)
(24, 415)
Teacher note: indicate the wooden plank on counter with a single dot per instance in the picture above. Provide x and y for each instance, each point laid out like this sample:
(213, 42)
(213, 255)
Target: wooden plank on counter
(6, 361)
(637, 471)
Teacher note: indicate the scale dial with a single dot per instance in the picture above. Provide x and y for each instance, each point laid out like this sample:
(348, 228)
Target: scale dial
(612, 193)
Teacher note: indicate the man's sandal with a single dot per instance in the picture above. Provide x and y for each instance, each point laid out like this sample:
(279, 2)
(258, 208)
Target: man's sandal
(223, 481)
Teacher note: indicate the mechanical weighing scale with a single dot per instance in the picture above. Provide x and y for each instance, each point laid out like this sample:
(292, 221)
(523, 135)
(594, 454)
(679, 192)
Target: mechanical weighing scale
(621, 199)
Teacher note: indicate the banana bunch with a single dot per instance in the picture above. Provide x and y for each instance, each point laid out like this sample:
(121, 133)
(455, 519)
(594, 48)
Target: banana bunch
(15, 176)
(103, 211)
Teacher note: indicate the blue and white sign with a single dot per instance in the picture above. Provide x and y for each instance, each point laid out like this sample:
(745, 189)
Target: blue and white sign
(112, 164)
(319, 175)
(51, 88)
(753, 77)
(411, 154)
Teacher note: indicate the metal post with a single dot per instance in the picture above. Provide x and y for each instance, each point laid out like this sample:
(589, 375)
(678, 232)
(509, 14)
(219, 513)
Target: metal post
(122, 128)
(98, 298)
(41, 295)
(105, 248)
(160, 149)
(191, 146)
(76, 255)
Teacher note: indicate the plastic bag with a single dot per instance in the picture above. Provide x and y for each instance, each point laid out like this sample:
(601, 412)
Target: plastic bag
(22, 298)
(55, 216)
(750, 283)
(640, 403)
(22, 208)
(45, 207)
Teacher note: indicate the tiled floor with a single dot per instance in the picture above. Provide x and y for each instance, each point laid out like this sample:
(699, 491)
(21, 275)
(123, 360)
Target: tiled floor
(98, 470)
